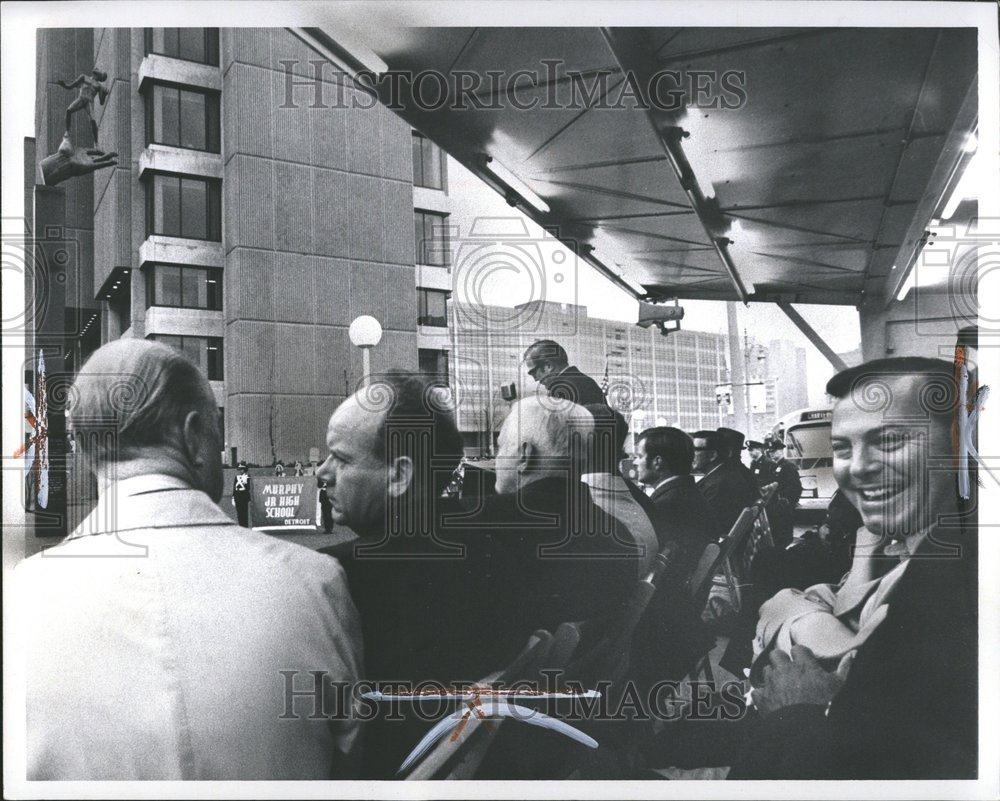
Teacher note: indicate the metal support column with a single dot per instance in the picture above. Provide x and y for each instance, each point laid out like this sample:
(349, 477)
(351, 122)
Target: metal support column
(812, 336)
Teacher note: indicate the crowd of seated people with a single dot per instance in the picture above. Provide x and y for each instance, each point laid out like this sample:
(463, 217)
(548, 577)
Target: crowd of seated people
(869, 676)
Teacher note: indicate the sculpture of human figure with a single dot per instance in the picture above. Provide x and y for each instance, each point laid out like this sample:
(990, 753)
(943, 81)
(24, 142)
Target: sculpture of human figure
(90, 87)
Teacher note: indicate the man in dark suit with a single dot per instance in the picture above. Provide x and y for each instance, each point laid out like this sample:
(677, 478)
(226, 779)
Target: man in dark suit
(732, 442)
(727, 490)
(670, 636)
(557, 556)
(547, 363)
(680, 513)
(906, 708)
(450, 590)
(403, 576)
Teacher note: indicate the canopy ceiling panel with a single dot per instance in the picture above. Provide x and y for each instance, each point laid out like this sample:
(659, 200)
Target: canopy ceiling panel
(818, 180)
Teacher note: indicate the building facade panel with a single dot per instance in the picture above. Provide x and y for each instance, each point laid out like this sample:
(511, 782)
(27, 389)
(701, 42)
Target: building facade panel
(249, 284)
(395, 155)
(331, 199)
(327, 134)
(332, 305)
(249, 208)
(400, 297)
(246, 97)
(113, 227)
(294, 275)
(365, 240)
(293, 213)
(245, 46)
(294, 371)
(364, 145)
(291, 118)
(250, 355)
(331, 361)
(367, 288)
(397, 222)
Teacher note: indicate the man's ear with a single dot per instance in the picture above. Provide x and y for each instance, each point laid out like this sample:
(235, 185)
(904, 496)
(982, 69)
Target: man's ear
(527, 458)
(400, 476)
(193, 437)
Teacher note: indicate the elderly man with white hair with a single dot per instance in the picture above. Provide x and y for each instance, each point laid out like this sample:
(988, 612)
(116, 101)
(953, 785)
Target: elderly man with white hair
(164, 641)
(559, 555)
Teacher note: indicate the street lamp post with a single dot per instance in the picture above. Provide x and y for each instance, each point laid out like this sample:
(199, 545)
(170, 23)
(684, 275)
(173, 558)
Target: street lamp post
(365, 332)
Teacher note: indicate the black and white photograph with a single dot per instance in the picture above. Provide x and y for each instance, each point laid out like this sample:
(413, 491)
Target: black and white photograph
(501, 400)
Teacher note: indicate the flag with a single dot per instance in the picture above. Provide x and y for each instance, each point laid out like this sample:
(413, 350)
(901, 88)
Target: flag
(41, 437)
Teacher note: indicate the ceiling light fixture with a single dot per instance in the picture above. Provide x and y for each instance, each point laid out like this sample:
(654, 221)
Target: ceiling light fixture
(515, 184)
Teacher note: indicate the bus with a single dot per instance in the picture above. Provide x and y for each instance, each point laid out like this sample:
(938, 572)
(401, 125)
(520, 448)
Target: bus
(806, 434)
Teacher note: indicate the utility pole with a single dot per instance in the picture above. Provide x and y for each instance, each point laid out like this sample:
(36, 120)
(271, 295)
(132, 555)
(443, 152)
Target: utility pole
(737, 368)
(746, 386)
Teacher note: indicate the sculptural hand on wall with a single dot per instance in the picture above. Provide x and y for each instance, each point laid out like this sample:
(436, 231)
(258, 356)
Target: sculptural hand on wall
(69, 161)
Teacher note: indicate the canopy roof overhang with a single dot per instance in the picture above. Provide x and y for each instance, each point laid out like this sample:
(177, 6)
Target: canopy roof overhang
(821, 178)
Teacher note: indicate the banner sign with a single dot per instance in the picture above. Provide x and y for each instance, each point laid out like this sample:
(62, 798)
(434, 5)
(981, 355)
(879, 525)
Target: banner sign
(283, 502)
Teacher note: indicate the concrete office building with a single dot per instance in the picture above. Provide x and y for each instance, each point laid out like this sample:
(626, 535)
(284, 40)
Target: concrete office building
(785, 368)
(254, 212)
(653, 379)
(776, 384)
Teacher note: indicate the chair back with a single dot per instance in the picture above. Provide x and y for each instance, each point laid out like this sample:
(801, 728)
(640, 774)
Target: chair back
(700, 583)
(608, 658)
(767, 492)
(460, 756)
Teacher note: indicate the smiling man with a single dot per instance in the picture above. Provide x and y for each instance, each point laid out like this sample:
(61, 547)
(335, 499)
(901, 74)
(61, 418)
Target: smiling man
(893, 691)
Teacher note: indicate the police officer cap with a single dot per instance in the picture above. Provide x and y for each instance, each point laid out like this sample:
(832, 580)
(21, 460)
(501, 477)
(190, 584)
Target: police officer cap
(774, 445)
(242, 464)
(754, 444)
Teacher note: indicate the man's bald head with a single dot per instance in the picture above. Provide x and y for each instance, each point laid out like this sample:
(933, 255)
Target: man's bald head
(542, 436)
(393, 447)
(136, 400)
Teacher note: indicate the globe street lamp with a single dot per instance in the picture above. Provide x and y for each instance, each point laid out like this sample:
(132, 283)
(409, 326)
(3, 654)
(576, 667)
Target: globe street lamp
(365, 332)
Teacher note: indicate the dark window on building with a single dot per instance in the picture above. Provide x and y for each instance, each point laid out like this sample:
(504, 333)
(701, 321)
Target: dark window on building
(184, 206)
(430, 168)
(434, 365)
(206, 352)
(430, 233)
(186, 118)
(184, 287)
(120, 302)
(190, 44)
(432, 308)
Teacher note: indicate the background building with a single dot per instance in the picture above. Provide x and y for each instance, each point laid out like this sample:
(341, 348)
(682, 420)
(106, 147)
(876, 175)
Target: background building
(785, 367)
(255, 211)
(774, 383)
(653, 379)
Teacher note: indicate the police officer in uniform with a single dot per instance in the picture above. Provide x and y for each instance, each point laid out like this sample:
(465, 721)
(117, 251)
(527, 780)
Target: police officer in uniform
(241, 495)
(760, 465)
(786, 497)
